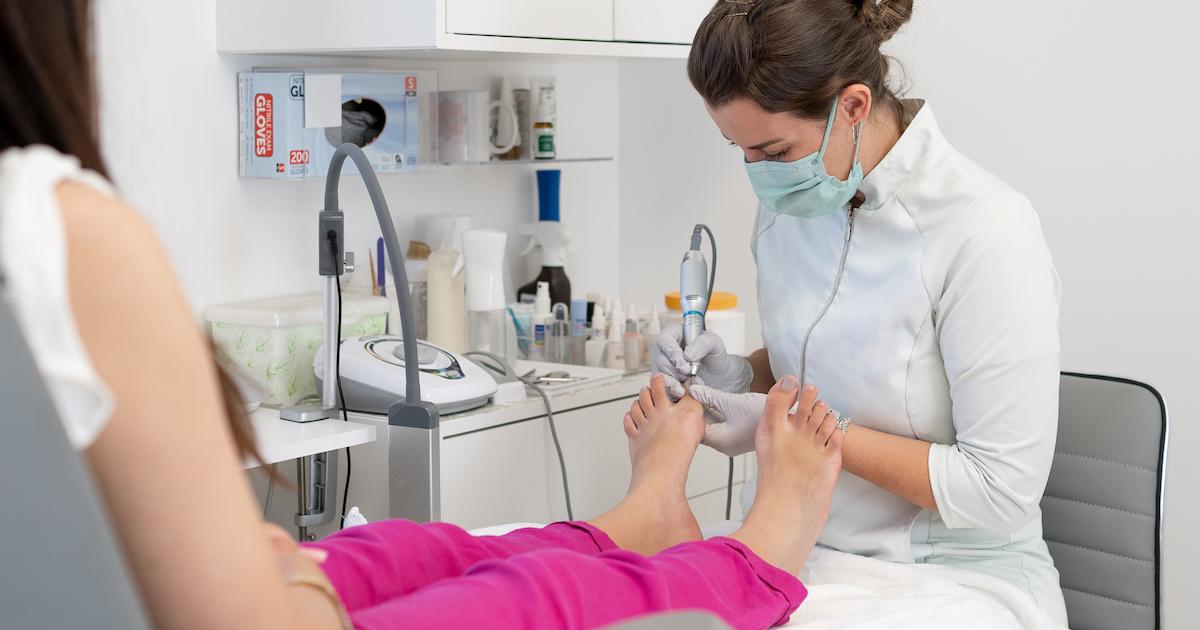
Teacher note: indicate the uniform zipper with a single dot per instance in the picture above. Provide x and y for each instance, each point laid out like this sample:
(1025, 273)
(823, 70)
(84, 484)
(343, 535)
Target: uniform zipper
(837, 283)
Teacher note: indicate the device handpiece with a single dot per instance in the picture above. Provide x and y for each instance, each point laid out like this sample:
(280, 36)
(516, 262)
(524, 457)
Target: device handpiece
(693, 298)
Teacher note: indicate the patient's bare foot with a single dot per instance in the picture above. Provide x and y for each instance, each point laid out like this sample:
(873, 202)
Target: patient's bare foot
(799, 458)
(663, 438)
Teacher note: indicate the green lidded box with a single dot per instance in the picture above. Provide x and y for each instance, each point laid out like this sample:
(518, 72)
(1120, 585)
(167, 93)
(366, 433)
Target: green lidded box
(273, 341)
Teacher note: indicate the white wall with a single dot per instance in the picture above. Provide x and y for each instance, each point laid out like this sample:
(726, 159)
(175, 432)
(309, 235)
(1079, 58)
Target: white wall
(169, 119)
(676, 170)
(1086, 107)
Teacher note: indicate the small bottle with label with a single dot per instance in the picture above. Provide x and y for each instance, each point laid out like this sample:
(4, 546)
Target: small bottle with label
(543, 126)
(541, 317)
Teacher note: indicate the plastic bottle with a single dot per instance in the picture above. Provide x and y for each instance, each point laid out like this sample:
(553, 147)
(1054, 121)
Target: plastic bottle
(558, 335)
(653, 328)
(551, 236)
(488, 322)
(543, 126)
(447, 300)
(633, 346)
(614, 350)
(578, 339)
(416, 267)
(597, 339)
(523, 107)
(541, 317)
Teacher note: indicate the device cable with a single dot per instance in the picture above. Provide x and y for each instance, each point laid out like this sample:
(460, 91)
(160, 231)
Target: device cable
(562, 463)
(712, 278)
(337, 371)
(502, 367)
(270, 491)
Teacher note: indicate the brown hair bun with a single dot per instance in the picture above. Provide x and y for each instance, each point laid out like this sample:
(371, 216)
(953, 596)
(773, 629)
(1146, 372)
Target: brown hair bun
(885, 17)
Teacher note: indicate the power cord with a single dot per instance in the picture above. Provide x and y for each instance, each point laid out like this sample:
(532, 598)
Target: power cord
(729, 493)
(270, 491)
(562, 464)
(337, 369)
(712, 279)
(503, 368)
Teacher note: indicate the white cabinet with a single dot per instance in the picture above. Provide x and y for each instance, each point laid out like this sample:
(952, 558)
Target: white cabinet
(660, 21)
(552, 19)
(510, 474)
(462, 29)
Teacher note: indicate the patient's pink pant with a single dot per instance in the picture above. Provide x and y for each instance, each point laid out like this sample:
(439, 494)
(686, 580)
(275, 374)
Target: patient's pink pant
(400, 574)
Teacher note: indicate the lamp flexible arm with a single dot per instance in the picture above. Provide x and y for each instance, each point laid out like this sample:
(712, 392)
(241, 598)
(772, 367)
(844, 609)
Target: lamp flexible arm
(412, 390)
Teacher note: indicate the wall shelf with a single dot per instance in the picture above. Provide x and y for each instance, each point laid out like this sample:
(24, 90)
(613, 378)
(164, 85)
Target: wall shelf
(528, 161)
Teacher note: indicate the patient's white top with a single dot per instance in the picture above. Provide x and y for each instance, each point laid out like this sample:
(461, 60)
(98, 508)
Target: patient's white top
(33, 258)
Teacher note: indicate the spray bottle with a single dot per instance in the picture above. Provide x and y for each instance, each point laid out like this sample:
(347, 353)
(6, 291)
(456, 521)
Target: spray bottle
(552, 237)
(487, 316)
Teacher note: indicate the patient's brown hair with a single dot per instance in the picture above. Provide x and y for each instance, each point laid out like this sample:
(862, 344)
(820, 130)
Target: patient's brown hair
(48, 97)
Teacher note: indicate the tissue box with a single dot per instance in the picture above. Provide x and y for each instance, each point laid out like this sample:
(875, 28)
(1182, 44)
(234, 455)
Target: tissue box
(273, 342)
(279, 133)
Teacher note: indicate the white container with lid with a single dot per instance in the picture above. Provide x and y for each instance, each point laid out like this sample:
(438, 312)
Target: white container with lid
(722, 318)
(272, 342)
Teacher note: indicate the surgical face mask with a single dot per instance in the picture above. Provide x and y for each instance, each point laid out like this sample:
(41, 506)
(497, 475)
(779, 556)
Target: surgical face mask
(804, 188)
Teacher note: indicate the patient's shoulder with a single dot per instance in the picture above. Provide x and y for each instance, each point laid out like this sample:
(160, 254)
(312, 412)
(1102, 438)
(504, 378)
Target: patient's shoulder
(106, 237)
(102, 217)
(118, 273)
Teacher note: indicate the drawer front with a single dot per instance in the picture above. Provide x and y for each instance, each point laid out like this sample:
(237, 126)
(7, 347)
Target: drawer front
(550, 19)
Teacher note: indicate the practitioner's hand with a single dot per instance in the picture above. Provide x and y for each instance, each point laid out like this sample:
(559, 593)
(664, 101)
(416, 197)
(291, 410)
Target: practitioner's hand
(732, 419)
(718, 368)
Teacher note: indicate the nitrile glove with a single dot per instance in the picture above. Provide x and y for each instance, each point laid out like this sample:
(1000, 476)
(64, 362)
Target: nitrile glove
(732, 419)
(718, 369)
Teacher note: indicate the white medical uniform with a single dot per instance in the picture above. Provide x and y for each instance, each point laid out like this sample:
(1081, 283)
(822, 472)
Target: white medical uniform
(33, 259)
(943, 328)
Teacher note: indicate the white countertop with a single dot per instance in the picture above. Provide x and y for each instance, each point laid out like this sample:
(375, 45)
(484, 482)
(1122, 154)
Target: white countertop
(280, 440)
(532, 406)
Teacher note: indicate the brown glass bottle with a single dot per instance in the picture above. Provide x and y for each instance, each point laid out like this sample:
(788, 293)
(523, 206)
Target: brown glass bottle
(560, 285)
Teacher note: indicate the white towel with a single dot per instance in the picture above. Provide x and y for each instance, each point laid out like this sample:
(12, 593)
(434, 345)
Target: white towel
(848, 591)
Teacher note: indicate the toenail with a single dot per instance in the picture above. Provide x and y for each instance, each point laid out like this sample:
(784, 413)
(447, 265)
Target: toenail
(789, 383)
(810, 388)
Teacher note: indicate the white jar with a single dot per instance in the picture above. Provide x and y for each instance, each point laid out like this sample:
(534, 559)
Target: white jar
(722, 318)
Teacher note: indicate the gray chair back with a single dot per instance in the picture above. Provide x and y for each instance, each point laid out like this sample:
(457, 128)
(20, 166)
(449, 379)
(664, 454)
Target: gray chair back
(680, 620)
(1103, 508)
(60, 566)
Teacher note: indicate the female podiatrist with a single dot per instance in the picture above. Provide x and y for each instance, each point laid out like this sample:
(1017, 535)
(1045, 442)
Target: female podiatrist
(908, 283)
